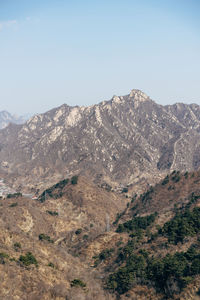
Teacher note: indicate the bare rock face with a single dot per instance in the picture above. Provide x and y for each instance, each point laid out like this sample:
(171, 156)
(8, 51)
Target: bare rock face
(120, 141)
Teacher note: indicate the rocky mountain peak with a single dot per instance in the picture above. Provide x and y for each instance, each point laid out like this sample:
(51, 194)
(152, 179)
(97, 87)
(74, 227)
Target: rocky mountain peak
(135, 96)
(138, 95)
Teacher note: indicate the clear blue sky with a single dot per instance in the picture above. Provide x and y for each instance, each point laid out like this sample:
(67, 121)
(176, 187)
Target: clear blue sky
(83, 52)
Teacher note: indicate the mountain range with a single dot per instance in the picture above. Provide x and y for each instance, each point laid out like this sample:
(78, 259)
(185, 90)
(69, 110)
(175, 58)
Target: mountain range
(128, 141)
(6, 118)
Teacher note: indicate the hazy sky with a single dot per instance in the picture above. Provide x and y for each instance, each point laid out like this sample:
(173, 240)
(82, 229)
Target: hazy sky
(83, 52)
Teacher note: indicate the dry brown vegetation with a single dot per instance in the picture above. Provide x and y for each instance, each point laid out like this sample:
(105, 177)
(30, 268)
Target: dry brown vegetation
(82, 206)
(72, 253)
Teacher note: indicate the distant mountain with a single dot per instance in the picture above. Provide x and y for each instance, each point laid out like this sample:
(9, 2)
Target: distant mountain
(6, 118)
(127, 140)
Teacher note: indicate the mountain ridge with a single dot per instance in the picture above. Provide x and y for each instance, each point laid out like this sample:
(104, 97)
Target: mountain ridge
(122, 141)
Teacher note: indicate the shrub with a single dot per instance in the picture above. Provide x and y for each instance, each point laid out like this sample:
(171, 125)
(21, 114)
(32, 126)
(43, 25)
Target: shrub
(165, 180)
(52, 213)
(61, 184)
(147, 196)
(119, 215)
(78, 282)
(134, 198)
(193, 198)
(51, 265)
(17, 246)
(78, 231)
(134, 207)
(176, 176)
(55, 191)
(74, 180)
(15, 195)
(28, 259)
(103, 255)
(13, 204)
(2, 257)
(125, 190)
(45, 237)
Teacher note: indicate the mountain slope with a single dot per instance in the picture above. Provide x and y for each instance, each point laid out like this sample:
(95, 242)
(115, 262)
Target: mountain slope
(59, 247)
(154, 256)
(40, 241)
(126, 140)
